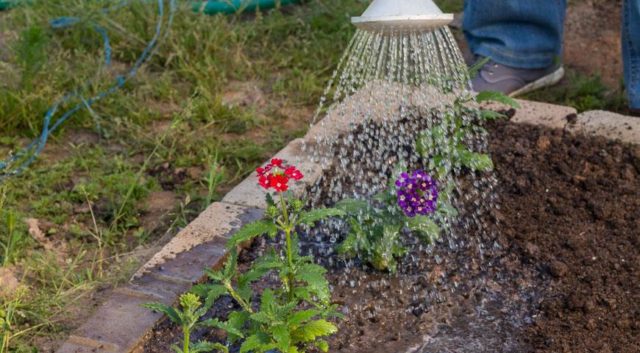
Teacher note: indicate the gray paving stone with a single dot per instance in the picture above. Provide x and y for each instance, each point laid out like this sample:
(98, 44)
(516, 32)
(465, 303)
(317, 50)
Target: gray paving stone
(69, 347)
(537, 113)
(118, 325)
(249, 193)
(607, 124)
(201, 243)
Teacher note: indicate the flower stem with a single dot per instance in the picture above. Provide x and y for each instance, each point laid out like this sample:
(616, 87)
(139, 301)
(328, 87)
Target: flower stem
(237, 297)
(186, 338)
(288, 227)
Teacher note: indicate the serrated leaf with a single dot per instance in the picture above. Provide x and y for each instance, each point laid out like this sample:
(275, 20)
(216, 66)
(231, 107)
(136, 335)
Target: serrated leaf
(492, 96)
(251, 231)
(267, 301)
(316, 282)
(282, 337)
(322, 345)
(475, 161)
(300, 317)
(352, 206)
(314, 329)
(425, 227)
(206, 347)
(236, 320)
(315, 215)
(225, 326)
(210, 292)
(251, 343)
(231, 265)
(169, 311)
(491, 115)
(348, 245)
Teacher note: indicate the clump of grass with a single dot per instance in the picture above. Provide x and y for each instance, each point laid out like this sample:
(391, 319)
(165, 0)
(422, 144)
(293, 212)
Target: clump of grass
(583, 93)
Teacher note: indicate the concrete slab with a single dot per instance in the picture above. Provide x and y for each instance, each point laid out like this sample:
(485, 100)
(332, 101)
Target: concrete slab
(118, 326)
(537, 113)
(607, 124)
(217, 222)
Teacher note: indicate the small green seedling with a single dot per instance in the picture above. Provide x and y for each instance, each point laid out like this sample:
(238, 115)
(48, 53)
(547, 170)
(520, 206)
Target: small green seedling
(188, 317)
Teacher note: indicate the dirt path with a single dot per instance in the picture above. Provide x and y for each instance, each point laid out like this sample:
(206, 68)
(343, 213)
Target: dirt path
(592, 40)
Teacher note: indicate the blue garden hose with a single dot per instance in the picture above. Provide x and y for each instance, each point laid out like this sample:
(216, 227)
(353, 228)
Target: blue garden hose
(5, 5)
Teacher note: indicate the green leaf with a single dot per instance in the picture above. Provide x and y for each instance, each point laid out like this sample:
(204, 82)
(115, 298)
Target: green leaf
(267, 301)
(269, 261)
(251, 231)
(169, 311)
(300, 317)
(492, 96)
(231, 265)
(322, 345)
(261, 317)
(314, 276)
(491, 115)
(236, 321)
(352, 206)
(210, 292)
(425, 227)
(477, 66)
(313, 216)
(314, 329)
(205, 347)
(225, 326)
(475, 161)
(348, 246)
(252, 342)
(282, 337)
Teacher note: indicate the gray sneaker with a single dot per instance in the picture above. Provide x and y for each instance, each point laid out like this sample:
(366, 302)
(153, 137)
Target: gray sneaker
(513, 81)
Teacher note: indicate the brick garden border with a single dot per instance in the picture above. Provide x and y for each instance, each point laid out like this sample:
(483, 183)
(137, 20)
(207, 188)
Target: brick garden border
(120, 324)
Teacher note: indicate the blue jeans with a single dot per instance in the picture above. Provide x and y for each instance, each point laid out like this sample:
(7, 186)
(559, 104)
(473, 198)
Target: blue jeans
(528, 34)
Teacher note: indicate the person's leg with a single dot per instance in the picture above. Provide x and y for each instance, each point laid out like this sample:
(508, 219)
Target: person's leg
(517, 33)
(631, 51)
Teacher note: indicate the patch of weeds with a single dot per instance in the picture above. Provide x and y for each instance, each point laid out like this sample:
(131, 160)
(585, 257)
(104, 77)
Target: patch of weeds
(583, 93)
(13, 239)
(31, 54)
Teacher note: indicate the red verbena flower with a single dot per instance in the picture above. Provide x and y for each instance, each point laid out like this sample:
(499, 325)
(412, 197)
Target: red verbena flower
(279, 182)
(276, 175)
(293, 173)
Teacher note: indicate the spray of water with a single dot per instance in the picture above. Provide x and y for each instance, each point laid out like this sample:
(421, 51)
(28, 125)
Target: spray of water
(391, 88)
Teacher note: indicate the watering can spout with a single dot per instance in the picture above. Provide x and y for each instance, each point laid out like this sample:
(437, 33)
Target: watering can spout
(402, 15)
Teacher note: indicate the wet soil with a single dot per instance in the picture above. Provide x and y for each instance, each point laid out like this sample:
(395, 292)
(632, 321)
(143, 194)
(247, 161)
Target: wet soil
(561, 274)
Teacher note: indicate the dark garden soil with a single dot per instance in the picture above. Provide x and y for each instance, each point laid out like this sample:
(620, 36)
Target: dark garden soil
(562, 275)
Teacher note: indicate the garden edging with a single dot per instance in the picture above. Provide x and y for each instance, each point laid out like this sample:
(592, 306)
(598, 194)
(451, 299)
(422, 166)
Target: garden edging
(120, 324)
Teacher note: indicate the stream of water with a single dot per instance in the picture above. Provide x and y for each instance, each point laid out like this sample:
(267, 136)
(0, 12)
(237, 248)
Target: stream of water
(389, 88)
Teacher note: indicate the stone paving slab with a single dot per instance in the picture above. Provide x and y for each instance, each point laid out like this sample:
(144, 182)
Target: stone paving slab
(115, 327)
(214, 225)
(607, 124)
(536, 113)
(248, 193)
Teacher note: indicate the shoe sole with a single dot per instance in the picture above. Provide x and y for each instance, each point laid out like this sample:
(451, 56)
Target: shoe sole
(545, 81)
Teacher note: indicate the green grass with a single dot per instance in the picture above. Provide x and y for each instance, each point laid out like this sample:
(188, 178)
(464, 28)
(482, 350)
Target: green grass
(582, 92)
(168, 129)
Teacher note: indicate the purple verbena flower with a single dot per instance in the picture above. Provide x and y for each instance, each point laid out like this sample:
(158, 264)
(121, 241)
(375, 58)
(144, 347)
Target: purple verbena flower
(417, 194)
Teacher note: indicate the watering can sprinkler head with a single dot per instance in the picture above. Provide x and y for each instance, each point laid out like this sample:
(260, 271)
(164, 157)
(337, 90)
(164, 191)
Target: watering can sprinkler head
(402, 16)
